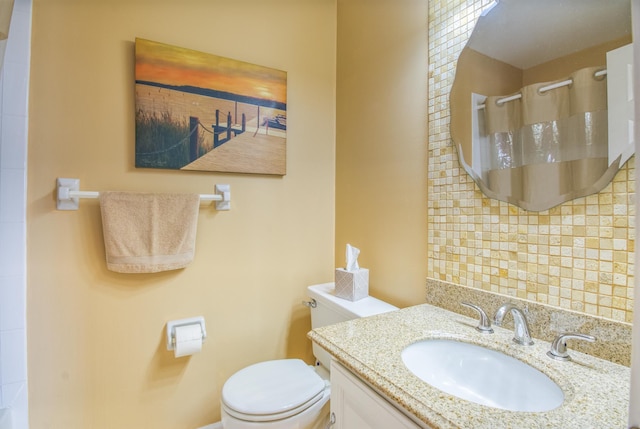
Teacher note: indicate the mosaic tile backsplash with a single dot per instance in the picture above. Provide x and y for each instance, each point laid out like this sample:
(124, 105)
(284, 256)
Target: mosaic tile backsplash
(577, 256)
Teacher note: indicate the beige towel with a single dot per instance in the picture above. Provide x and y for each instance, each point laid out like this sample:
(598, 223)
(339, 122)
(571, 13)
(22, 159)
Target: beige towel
(147, 233)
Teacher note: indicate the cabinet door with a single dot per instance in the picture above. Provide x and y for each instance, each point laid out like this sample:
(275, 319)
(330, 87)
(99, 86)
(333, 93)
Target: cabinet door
(356, 405)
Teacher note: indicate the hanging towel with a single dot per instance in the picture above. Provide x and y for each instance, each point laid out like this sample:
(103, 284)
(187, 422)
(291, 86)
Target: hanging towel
(148, 233)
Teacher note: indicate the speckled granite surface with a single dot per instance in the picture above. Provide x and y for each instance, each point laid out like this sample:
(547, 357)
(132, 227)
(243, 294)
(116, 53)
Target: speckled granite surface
(596, 391)
(546, 322)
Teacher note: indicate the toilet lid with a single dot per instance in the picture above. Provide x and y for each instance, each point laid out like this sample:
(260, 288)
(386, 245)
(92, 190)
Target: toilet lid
(272, 387)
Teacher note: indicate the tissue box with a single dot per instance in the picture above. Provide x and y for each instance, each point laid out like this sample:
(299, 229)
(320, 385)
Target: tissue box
(352, 285)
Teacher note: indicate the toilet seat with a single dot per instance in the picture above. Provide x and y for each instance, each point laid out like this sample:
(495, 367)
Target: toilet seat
(272, 390)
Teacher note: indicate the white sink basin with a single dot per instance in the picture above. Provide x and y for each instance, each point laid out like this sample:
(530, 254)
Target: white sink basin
(483, 376)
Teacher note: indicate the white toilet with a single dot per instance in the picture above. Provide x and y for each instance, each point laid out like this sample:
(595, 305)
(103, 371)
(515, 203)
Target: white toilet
(287, 393)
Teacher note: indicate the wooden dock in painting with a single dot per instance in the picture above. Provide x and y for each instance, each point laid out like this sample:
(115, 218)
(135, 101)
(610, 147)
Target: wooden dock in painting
(225, 122)
(245, 153)
(225, 131)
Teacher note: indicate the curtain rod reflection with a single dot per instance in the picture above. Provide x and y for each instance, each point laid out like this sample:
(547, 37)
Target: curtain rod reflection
(543, 89)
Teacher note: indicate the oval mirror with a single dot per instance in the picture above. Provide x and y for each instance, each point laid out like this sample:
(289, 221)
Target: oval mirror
(541, 106)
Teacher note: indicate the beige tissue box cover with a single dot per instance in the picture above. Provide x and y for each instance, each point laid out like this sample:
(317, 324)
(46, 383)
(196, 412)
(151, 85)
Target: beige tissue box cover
(352, 285)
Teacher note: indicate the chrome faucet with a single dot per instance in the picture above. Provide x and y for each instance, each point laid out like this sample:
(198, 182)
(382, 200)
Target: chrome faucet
(521, 326)
(484, 325)
(559, 346)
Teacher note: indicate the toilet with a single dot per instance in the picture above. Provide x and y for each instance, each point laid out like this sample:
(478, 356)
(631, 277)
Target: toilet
(288, 393)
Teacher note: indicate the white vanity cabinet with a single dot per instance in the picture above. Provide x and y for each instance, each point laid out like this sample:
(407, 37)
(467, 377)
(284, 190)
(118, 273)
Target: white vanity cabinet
(356, 405)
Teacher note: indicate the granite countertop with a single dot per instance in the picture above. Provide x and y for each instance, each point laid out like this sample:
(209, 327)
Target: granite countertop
(596, 391)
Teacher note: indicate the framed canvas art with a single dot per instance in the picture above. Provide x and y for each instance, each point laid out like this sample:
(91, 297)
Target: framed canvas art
(198, 111)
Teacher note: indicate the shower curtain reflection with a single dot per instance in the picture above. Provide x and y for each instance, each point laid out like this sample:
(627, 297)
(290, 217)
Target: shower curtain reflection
(553, 139)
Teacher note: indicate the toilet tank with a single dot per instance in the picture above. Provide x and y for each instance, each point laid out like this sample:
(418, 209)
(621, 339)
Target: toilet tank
(330, 309)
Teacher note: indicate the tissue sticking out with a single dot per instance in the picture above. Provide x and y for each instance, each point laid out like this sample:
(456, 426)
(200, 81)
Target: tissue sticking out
(352, 282)
(352, 258)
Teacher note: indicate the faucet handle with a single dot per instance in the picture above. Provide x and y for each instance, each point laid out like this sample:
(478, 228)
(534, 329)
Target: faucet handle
(559, 346)
(484, 324)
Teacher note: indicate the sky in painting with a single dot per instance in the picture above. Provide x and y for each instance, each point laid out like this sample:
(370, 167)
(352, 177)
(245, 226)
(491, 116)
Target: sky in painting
(171, 65)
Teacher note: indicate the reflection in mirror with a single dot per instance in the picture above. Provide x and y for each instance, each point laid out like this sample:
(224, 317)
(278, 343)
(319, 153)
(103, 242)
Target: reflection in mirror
(541, 111)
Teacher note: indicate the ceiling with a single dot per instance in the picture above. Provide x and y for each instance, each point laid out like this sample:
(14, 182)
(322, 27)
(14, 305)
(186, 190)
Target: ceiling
(525, 33)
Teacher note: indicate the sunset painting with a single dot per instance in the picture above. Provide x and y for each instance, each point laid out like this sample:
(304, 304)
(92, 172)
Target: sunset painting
(198, 111)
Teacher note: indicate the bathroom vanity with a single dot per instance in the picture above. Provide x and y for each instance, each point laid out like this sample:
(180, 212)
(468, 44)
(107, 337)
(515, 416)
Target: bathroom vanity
(373, 388)
(354, 404)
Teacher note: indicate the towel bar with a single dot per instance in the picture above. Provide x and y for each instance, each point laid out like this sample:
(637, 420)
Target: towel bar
(69, 194)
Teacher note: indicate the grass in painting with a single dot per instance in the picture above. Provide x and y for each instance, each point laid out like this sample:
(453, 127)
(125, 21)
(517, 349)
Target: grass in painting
(162, 141)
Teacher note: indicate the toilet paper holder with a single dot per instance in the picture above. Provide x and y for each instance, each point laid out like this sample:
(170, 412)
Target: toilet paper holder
(173, 324)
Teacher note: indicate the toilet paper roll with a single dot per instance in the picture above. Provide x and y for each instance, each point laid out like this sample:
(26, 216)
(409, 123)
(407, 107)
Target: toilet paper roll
(188, 340)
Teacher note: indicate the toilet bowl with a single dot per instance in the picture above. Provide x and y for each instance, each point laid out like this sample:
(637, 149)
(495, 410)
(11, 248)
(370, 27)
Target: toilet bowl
(278, 394)
(288, 393)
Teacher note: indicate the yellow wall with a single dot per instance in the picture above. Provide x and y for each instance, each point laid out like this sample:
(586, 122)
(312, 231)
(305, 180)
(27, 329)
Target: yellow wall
(381, 143)
(97, 355)
(564, 66)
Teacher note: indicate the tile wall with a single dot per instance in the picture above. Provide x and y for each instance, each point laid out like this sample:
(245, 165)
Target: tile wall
(14, 88)
(577, 256)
